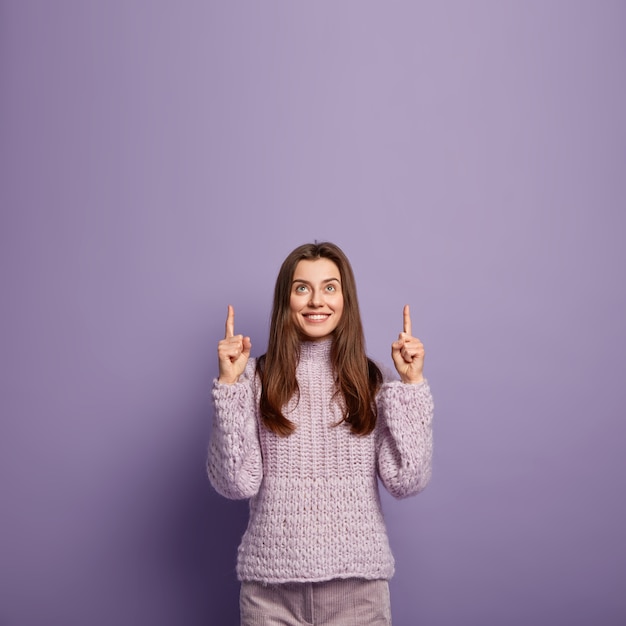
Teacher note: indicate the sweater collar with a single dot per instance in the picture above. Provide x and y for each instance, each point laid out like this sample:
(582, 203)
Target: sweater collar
(314, 350)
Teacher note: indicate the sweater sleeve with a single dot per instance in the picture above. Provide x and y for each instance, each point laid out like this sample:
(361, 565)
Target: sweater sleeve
(234, 463)
(405, 437)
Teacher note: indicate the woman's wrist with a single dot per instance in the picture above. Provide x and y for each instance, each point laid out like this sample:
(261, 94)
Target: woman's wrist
(227, 381)
(413, 381)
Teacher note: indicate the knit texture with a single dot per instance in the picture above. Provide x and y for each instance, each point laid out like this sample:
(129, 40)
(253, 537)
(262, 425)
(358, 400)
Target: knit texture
(315, 509)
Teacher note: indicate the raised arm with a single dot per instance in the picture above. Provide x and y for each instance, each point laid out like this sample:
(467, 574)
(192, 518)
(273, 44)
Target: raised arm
(405, 413)
(234, 462)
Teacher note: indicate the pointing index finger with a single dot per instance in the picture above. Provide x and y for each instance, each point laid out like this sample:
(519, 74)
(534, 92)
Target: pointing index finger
(407, 319)
(230, 322)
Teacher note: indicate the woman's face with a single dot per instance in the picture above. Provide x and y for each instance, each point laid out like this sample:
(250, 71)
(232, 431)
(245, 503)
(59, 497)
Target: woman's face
(316, 300)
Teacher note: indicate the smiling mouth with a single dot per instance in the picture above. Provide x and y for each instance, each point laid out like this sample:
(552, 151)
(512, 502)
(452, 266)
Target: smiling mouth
(316, 317)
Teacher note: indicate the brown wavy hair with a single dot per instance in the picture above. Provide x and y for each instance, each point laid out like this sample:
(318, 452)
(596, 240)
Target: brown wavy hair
(357, 377)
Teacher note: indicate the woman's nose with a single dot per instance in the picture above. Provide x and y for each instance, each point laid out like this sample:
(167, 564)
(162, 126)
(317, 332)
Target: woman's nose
(316, 298)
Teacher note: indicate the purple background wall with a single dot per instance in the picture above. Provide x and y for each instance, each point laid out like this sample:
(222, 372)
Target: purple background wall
(158, 161)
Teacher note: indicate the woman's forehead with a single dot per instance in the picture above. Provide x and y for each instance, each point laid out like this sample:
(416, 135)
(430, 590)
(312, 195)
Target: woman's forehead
(321, 269)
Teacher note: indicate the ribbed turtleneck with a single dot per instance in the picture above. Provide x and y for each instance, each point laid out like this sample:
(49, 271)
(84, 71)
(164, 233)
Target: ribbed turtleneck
(313, 350)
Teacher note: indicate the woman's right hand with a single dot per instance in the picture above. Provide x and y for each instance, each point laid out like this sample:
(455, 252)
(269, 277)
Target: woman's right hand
(233, 352)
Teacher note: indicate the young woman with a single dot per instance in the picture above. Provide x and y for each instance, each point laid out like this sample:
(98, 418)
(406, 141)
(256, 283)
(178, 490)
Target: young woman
(305, 432)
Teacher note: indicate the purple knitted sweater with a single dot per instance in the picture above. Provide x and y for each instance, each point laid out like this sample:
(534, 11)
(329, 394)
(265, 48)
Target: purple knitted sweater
(315, 509)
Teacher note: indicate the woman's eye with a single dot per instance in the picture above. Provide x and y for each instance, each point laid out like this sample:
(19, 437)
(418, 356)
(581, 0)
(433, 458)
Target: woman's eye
(330, 288)
(301, 289)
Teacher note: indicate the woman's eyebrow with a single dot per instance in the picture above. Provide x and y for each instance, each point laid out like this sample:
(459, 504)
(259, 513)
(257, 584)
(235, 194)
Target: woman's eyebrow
(306, 282)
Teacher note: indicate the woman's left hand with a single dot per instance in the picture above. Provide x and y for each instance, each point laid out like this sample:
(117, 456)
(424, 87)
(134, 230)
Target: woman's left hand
(408, 353)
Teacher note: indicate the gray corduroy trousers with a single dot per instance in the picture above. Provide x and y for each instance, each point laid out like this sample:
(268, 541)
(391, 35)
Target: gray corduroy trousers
(349, 602)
